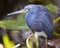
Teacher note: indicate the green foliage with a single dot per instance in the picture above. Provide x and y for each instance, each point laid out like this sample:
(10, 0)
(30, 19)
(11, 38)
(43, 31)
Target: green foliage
(7, 42)
(16, 24)
(51, 7)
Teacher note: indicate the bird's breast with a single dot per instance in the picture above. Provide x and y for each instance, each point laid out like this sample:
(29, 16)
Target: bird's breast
(33, 22)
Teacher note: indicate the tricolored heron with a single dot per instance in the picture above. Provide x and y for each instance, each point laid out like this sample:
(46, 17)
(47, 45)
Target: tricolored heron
(38, 19)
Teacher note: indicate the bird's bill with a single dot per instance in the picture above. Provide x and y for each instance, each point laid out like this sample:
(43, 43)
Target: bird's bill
(18, 12)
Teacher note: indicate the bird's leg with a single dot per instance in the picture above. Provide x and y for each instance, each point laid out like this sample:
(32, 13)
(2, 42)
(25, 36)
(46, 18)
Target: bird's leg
(36, 40)
(39, 34)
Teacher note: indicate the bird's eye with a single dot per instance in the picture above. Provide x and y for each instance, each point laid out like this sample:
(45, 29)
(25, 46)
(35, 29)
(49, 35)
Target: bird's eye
(27, 9)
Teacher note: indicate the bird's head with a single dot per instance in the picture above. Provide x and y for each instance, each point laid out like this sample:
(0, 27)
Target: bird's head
(28, 8)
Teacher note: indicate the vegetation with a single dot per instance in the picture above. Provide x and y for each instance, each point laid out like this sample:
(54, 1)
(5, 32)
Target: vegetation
(16, 24)
(20, 24)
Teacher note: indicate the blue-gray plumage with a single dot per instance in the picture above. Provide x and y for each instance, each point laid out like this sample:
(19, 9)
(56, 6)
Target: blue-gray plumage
(37, 18)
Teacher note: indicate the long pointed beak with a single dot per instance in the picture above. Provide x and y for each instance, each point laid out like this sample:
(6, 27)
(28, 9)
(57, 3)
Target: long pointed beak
(18, 12)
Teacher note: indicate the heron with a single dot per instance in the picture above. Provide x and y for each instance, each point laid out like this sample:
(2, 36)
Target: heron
(38, 19)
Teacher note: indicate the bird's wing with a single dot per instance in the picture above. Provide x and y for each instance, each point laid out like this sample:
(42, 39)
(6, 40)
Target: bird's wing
(47, 22)
(46, 19)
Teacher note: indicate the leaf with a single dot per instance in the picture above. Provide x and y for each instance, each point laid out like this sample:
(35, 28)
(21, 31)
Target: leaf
(16, 24)
(51, 7)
